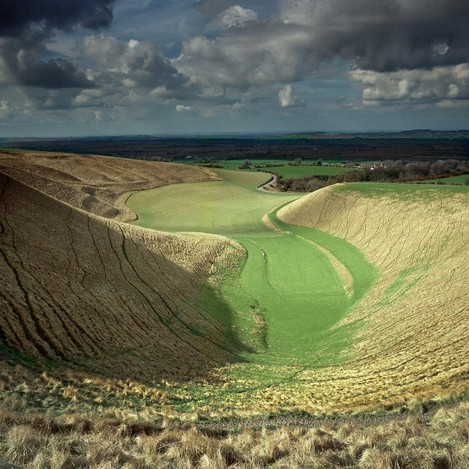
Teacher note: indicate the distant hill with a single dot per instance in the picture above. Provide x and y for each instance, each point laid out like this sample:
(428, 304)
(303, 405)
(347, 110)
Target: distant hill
(408, 145)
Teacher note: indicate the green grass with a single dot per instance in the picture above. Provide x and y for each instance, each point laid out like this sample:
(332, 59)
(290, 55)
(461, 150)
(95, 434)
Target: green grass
(362, 272)
(405, 191)
(462, 179)
(231, 206)
(283, 168)
(288, 295)
(305, 170)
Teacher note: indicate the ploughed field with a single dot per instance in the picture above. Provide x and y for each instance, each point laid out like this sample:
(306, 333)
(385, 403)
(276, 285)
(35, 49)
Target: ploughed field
(224, 298)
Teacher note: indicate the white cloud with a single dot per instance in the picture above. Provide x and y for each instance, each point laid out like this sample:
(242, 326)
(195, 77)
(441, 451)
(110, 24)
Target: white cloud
(256, 57)
(237, 16)
(5, 109)
(438, 84)
(440, 48)
(182, 108)
(285, 96)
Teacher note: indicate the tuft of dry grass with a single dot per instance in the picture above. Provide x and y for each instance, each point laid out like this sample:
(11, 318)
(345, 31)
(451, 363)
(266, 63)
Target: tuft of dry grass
(118, 439)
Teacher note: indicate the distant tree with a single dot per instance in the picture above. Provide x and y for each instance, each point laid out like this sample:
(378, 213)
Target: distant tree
(245, 165)
(353, 176)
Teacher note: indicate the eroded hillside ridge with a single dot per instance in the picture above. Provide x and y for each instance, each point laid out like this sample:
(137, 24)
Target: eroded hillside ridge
(96, 184)
(416, 315)
(90, 291)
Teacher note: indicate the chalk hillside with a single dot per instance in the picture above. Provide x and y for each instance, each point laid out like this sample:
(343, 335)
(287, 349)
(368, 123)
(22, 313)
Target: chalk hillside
(414, 339)
(81, 288)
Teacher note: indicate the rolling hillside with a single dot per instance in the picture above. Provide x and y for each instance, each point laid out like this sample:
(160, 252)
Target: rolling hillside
(96, 293)
(414, 334)
(113, 336)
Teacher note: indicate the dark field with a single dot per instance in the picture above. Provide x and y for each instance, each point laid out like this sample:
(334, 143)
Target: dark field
(413, 145)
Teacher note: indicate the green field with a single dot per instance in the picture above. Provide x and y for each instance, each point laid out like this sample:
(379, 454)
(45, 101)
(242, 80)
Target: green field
(462, 179)
(288, 294)
(285, 169)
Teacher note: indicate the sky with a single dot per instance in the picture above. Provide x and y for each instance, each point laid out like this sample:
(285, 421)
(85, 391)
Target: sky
(164, 67)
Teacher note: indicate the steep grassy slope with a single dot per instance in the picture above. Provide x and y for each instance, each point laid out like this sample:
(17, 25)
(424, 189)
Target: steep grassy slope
(95, 293)
(415, 335)
(96, 184)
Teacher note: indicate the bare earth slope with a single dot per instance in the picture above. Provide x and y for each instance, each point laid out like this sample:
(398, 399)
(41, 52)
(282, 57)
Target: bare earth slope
(416, 339)
(92, 291)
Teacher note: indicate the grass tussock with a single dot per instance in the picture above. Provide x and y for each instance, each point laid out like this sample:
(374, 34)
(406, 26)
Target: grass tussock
(33, 440)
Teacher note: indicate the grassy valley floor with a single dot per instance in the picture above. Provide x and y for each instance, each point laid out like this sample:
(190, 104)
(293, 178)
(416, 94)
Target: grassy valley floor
(294, 287)
(307, 297)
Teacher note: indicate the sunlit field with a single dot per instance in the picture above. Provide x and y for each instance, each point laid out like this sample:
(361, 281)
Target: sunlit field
(284, 168)
(289, 293)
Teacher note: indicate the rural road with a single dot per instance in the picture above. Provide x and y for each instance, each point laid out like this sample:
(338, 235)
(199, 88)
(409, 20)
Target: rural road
(262, 186)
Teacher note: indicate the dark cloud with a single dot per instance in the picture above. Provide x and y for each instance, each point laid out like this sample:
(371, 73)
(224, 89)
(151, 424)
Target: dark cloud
(16, 16)
(133, 63)
(26, 25)
(304, 35)
(129, 71)
(20, 65)
(383, 35)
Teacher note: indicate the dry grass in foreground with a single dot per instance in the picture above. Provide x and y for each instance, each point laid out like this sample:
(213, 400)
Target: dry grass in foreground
(122, 439)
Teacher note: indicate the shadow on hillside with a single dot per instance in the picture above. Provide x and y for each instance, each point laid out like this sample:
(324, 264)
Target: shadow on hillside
(83, 291)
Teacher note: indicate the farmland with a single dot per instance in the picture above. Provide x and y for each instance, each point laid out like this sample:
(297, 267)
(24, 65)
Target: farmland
(284, 168)
(458, 180)
(201, 298)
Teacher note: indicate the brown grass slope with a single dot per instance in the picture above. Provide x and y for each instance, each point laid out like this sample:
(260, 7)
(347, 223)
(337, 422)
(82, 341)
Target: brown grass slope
(96, 184)
(416, 339)
(94, 292)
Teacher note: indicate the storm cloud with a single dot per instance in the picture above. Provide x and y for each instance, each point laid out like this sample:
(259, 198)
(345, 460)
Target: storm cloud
(17, 16)
(376, 35)
(383, 35)
(237, 59)
(25, 27)
(127, 71)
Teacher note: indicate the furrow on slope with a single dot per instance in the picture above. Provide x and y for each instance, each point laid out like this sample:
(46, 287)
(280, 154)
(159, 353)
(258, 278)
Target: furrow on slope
(92, 307)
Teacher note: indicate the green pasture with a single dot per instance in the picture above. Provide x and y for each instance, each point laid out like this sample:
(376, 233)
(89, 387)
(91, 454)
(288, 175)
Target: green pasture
(306, 170)
(462, 179)
(288, 296)
(231, 206)
(285, 168)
